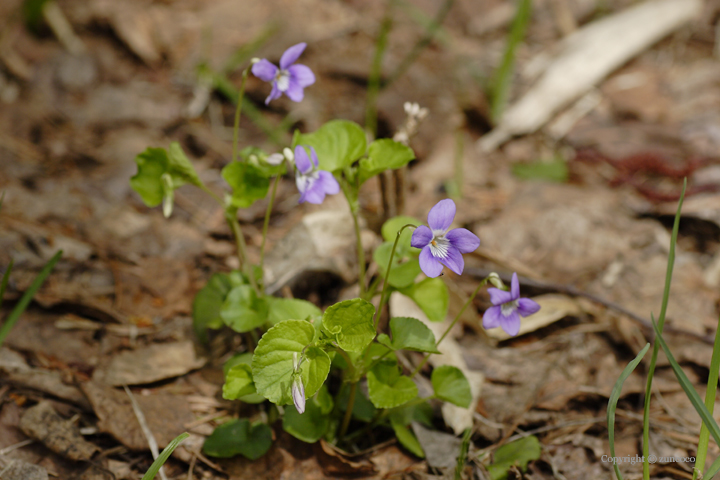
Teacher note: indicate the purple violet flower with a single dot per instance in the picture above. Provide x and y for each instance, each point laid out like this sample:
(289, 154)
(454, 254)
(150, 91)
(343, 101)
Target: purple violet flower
(440, 247)
(506, 307)
(312, 183)
(288, 79)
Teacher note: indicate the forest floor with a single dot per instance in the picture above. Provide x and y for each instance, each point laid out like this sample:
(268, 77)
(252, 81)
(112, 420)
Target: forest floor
(76, 108)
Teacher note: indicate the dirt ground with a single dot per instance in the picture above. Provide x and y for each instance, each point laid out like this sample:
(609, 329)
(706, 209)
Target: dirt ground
(77, 106)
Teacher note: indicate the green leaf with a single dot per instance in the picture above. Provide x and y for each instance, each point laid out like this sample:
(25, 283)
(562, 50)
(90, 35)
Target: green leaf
(243, 310)
(431, 295)
(272, 364)
(239, 437)
(520, 452)
(419, 412)
(291, 309)
(384, 154)
(208, 303)
(407, 439)
(164, 455)
(309, 426)
(240, 359)
(338, 144)
(553, 171)
(612, 403)
(179, 165)
(238, 382)
(21, 305)
(350, 324)
(451, 385)
(387, 388)
(402, 274)
(247, 181)
(391, 227)
(409, 334)
(152, 164)
(687, 386)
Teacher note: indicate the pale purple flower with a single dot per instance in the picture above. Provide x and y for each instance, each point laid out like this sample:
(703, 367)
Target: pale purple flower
(312, 183)
(507, 306)
(298, 393)
(289, 79)
(440, 247)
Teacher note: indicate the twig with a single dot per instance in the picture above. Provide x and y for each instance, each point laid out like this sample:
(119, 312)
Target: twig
(152, 443)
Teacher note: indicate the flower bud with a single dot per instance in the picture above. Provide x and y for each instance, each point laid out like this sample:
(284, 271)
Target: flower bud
(275, 159)
(494, 279)
(168, 194)
(289, 154)
(298, 393)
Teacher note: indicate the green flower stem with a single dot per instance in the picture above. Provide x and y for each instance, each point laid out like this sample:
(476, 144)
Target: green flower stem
(266, 223)
(238, 111)
(457, 317)
(212, 194)
(351, 196)
(231, 218)
(372, 289)
(656, 346)
(710, 404)
(376, 318)
(348, 411)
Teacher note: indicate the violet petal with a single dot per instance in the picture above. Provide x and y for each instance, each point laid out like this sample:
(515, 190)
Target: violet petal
(498, 297)
(454, 260)
(314, 193)
(314, 157)
(329, 184)
(264, 70)
(429, 264)
(491, 318)
(463, 239)
(441, 215)
(291, 55)
(302, 160)
(294, 91)
(511, 323)
(421, 237)
(274, 93)
(302, 75)
(515, 287)
(527, 307)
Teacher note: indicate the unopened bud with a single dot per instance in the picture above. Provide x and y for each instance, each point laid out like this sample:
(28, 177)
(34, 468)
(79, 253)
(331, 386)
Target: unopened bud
(168, 194)
(289, 154)
(275, 159)
(298, 393)
(494, 279)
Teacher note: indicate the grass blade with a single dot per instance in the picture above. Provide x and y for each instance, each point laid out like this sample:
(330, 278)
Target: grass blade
(5, 281)
(714, 468)
(164, 455)
(612, 403)
(503, 75)
(661, 323)
(27, 297)
(686, 385)
(710, 405)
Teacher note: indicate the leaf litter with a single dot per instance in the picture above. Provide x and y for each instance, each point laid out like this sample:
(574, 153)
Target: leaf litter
(66, 154)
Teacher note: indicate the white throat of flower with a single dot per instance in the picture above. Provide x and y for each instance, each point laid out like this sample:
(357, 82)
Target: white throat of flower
(508, 307)
(306, 180)
(282, 78)
(439, 245)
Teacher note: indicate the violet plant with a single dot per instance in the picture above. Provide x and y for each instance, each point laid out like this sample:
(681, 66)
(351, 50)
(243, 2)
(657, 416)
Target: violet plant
(300, 346)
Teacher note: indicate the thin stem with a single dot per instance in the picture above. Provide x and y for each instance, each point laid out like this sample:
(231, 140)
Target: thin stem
(372, 289)
(351, 198)
(231, 218)
(348, 411)
(238, 111)
(656, 346)
(710, 404)
(387, 276)
(212, 194)
(457, 317)
(267, 222)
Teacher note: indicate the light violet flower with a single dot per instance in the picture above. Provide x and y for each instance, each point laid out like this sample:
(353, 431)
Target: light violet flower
(312, 183)
(289, 79)
(440, 247)
(507, 306)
